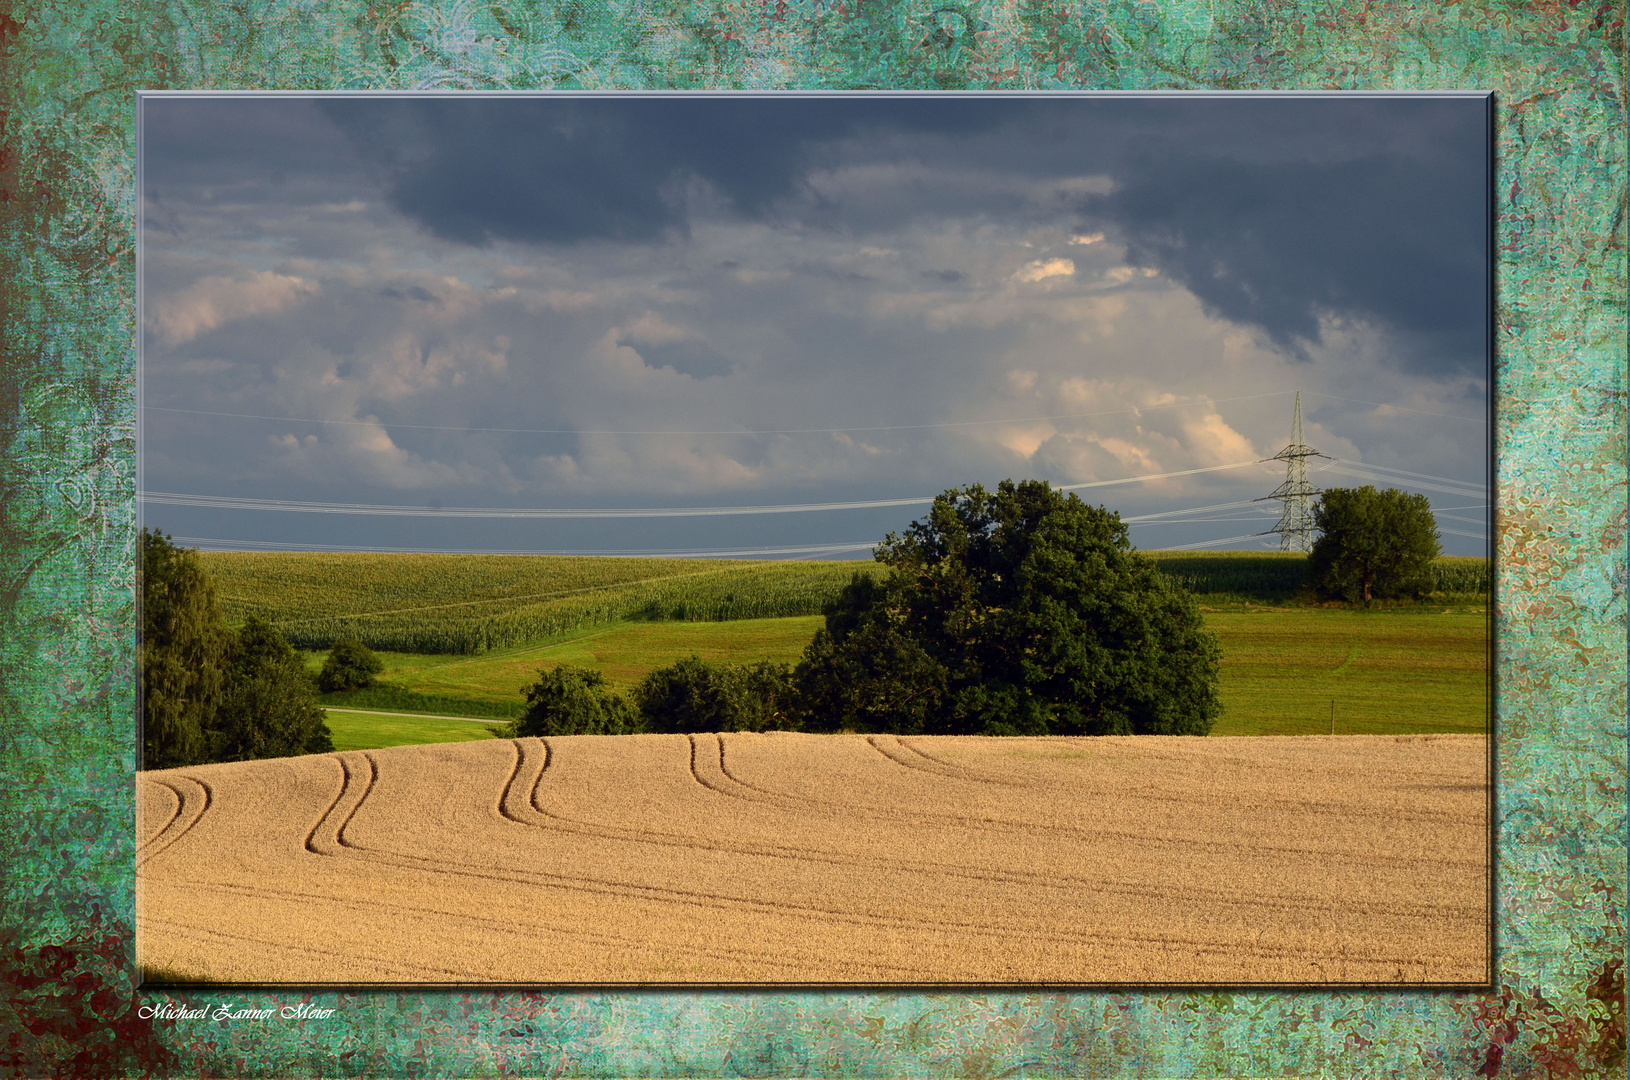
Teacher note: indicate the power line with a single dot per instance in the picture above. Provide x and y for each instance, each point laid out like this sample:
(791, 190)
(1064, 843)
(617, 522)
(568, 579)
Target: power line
(1439, 484)
(1414, 475)
(1211, 543)
(1401, 408)
(230, 502)
(806, 550)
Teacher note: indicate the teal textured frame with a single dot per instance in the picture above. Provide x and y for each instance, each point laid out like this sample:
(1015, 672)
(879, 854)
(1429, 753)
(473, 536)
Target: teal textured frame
(69, 72)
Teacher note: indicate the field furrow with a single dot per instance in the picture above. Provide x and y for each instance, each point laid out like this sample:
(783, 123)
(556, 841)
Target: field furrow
(784, 858)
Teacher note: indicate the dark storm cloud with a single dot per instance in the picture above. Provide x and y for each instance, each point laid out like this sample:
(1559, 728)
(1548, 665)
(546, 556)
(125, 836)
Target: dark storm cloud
(1384, 237)
(1278, 247)
(265, 143)
(412, 292)
(1276, 213)
(583, 169)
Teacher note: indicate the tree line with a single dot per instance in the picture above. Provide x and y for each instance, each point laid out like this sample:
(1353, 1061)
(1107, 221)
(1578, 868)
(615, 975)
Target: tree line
(1021, 611)
(210, 693)
(1018, 611)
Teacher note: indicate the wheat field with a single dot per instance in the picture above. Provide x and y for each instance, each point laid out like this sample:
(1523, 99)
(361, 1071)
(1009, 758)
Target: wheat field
(783, 858)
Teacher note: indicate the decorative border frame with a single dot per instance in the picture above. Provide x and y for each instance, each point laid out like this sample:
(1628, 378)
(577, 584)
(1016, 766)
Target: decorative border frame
(68, 76)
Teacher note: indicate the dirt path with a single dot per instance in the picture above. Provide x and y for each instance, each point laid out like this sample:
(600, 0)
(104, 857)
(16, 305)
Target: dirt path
(782, 858)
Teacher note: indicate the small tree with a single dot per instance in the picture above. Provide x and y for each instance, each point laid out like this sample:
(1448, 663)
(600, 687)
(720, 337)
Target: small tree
(694, 695)
(268, 709)
(1023, 611)
(574, 701)
(184, 654)
(1373, 544)
(764, 695)
(351, 665)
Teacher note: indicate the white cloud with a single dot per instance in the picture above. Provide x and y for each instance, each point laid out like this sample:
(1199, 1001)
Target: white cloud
(1212, 441)
(624, 363)
(842, 439)
(1041, 269)
(214, 301)
(1022, 381)
(406, 365)
(652, 329)
(1024, 439)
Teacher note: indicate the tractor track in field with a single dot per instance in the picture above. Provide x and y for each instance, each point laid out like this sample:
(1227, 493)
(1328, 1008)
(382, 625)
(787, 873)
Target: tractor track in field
(852, 859)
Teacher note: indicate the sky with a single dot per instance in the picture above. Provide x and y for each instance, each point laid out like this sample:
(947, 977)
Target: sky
(625, 321)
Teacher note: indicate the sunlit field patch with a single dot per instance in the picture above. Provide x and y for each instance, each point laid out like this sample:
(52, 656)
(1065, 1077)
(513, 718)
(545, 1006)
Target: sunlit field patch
(777, 858)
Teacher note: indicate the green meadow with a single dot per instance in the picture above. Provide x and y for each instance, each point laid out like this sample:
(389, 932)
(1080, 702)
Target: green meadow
(354, 730)
(462, 635)
(1290, 670)
(1285, 671)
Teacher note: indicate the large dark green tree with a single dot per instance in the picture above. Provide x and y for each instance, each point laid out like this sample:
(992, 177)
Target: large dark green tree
(269, 708)
(209, 694)
(185, 645)
(1019, 611)
(1373, 544)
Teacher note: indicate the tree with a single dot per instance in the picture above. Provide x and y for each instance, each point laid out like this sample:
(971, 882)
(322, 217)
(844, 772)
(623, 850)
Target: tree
(209, 694)
(865, 671)
(184, 652)
(694, 695)
(1373, 544)
(574, 701)
(351, 665)
(1023, 611)
(269, 708)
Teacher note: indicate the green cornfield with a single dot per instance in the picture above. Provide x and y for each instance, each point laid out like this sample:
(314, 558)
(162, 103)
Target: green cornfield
(473, 603)
(469, 604)
(1262, 576)
(1278, 576)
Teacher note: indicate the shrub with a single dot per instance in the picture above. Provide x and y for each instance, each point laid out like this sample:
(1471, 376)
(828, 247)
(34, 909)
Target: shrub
(573, 701)
(694, 695)
(351, 665)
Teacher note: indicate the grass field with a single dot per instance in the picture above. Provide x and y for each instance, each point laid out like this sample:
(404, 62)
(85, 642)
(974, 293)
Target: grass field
(1410, 671)
(783, 858)
(354, 730)
(1387, 672)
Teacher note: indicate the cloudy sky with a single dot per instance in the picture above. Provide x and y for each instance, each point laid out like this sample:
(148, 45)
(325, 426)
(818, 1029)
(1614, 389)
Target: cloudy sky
(632, 306)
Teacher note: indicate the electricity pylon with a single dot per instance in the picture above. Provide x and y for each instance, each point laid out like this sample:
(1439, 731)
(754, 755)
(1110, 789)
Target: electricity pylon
(1295, 526)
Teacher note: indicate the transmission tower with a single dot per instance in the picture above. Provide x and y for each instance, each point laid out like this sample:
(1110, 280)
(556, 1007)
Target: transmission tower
(1295, 526)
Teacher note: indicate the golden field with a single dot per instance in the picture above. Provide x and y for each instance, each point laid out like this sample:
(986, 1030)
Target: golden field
(789, 858)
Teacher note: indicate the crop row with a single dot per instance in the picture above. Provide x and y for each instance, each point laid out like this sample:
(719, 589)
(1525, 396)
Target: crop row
(1280, 575)
(470, 604)
(474, 603)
